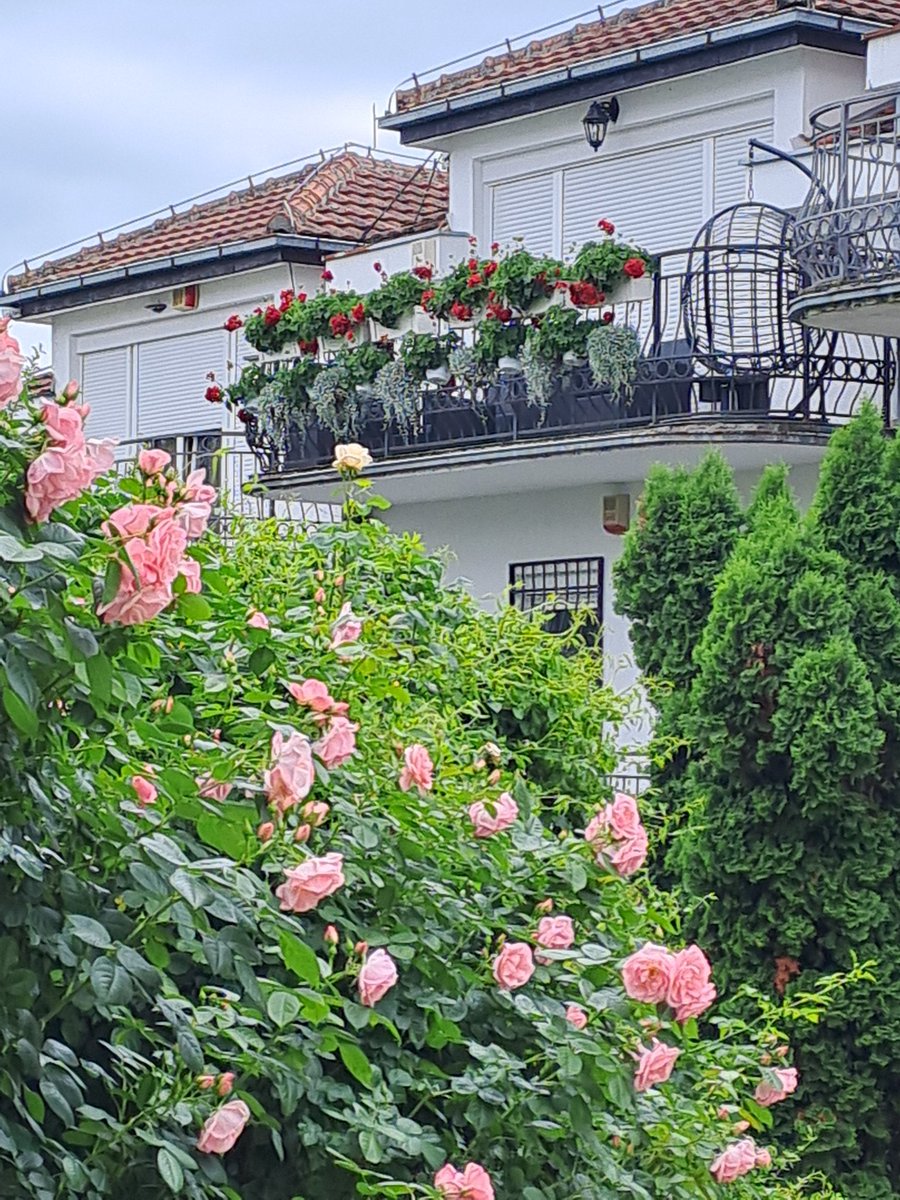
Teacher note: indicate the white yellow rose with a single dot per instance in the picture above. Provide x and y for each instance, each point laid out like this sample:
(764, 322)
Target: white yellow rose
(351, 457)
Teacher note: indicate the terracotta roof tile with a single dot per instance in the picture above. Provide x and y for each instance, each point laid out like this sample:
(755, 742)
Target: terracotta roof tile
(349, 197)
(631, 29)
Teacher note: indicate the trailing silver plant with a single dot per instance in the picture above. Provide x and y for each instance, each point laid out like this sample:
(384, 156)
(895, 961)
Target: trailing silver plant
(464, 367)
(540, 376)
(333, 399)
(400, 392)
(614, 354)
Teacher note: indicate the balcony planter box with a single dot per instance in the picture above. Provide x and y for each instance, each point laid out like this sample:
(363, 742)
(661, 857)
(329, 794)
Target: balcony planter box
(418, 321)
(439, 375)
(477, 318)
(508, 364)
(361, 335)
(632, 291)
(558, 298)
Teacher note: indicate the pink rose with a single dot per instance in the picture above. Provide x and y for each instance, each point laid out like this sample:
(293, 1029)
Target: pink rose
(622, 816)
(472, 1183)
(494, 816)
(134, 520)
(690, 990)
(144, 790)
(60, 474)
(11, 363)
(210, 789)
(292, 774)
(258, 620)
(195, 489)
(654, 1065)
(189, 570)
(554, 933)
(338, 743)
(763, 1158)
(418, 770)
(312, 693)
(735, 1160)
(330, 935)
(226, 1083)
(777, 1085)
(576, 1016)
(205, 1082)
(266, 831)
(193, 517)
(514, 965)
(153, 462)
(146, 576)
(223, 1128)
(346, 628)
(630, 855)
(310, 883)
(647, 973)
(315, 811)
(377, 976)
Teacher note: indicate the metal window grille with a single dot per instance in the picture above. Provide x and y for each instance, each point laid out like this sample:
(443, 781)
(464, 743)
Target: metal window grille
(559, 586)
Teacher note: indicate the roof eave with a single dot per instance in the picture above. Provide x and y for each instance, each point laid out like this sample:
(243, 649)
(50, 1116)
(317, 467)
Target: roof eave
(629, 69)
(171, 271)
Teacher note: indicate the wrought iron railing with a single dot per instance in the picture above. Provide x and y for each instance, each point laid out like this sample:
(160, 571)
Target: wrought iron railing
(849, 227)
(233, 470)
(715, 343)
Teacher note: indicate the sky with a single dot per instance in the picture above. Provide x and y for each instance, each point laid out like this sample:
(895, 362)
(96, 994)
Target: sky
(115, 108)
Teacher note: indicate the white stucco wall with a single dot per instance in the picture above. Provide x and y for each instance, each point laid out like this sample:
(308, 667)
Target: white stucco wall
(883, 60)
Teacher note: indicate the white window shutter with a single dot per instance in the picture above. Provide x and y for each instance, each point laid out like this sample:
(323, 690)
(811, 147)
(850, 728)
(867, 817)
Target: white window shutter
(654, 198)
(523, 208)
(171, 381)
(730, 175)
(105, 387)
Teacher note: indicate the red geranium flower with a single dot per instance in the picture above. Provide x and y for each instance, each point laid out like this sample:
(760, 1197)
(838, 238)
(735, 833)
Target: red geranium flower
(427, 296)
(233, 322)
(272, 315)
(489, 268)
(377, 267)
(340, 325)
(499, 313)
(606, 226)
(242, 415)
(585, 295)
(474, 280)
(462, 312)
(635, 267)
(214, 394)
(358, 312)
(607, 317)
(495, 246)
(327, 275)
(301, 297)
(311, 347)
(472, 264)
(287, 295)
(257, 312)
(423, 272)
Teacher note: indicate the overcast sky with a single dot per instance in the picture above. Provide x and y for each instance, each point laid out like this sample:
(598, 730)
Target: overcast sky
(114, 108)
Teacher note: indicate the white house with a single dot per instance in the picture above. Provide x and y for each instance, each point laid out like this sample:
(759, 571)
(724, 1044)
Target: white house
(727, 360)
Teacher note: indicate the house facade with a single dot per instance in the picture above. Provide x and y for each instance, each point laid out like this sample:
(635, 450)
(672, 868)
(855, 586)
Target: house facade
(728, 359)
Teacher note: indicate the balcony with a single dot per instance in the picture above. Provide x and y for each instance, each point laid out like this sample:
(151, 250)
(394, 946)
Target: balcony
(847, 239)
(717, 353)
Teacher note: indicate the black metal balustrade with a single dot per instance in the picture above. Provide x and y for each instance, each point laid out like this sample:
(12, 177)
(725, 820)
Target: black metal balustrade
(849, 227)
(233, 470)
(716, 344)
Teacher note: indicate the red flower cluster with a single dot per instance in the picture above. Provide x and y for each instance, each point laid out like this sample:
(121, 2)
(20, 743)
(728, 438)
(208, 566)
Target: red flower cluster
(495, 246)
(358, 313)
(498, 312)
(310, 347)
(287, 296)
(489, 268)
(272, 315)
(635, 267)
(376, 267)
(607, 317)
(233, 322)
(327, 275)
(606, 226)
(425, 272)
(427, 297)
(460, 311)
(214, 394)
(301, 297)
(585, 295)
(340, 325)
(474, 280)
(472, 264)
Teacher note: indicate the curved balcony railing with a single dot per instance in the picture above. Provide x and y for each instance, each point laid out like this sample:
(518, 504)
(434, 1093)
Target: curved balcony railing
(716, 344)
(848, 230)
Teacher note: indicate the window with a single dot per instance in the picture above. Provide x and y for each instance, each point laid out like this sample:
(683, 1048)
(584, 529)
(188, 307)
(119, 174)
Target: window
(559, 586)
(191, 451)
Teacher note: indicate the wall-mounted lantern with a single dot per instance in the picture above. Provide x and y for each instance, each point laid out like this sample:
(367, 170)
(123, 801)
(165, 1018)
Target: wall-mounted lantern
(597, 119)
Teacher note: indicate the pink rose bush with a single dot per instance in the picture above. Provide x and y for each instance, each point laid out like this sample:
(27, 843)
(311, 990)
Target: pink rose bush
(290, 778)
(576, 1016)
(337, 744)
(617, 836)
(653, 975)
(737, 1160)
(223, 1128)
(377, 976)
(777, 1086)
(554, 933)
(11, 363)
(417, 771)
(68, 464)
(490, 817)
(309, 884)
(471, 1183)
(514, 965)
(346, 629)
(655, 1065)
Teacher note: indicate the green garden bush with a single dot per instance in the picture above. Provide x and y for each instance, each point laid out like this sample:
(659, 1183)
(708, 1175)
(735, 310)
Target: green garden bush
(791, 786)
(294, 898)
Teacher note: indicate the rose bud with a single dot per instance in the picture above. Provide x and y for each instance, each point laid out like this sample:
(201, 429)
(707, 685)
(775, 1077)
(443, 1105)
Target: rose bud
(330, 935)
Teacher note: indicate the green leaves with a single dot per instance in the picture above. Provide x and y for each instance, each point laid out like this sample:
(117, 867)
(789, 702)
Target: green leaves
(89, 931)
(298, 957)
(169, 1169)
(283, 1008)
(12, 550)
(110, 982)
(24, 718)
(356, 1063)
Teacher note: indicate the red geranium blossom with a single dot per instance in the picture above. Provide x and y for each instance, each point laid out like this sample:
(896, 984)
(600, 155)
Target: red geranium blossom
(233, 322)
(272, 315)
(214, 394)
(327, 275)
(358, 312)
(340, 325)
(472, 264)
(635, 267)
(495, 246)
(607, 317)
(301, 297)
(585, 295)
(310, 347)
(461, 312)
(489, 268)
(499, 313)
(474, 280)
(377, 267)
(427, 297)
(606, 226)
(425, 272)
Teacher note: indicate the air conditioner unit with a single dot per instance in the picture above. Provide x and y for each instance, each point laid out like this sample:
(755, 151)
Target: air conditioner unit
(617, 513)
(424, 252)
(184, 299)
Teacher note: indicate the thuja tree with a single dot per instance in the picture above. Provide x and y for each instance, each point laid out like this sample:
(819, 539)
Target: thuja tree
(792, 791)
(290, 903)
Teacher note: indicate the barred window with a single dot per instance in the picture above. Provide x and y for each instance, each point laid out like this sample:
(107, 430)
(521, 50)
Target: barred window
(559, 586)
